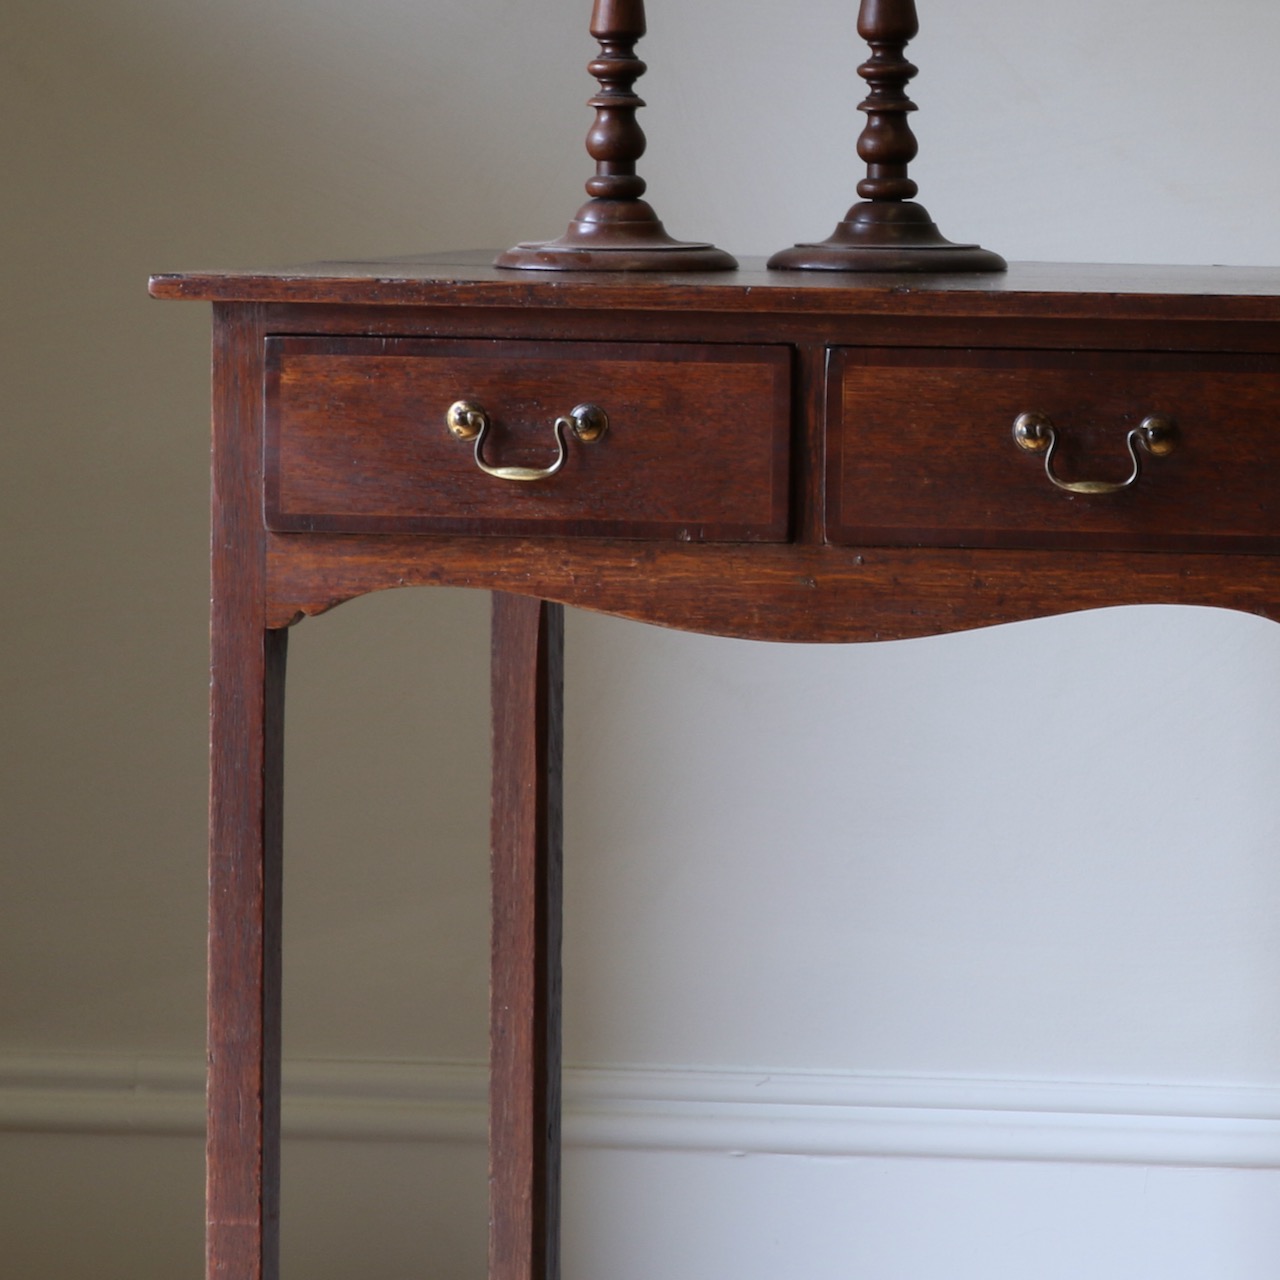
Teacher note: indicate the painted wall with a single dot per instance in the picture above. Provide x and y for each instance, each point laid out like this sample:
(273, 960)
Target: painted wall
(948, 958)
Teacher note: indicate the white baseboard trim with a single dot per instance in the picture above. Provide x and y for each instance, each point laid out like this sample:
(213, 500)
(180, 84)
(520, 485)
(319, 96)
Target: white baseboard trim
(678, 1109)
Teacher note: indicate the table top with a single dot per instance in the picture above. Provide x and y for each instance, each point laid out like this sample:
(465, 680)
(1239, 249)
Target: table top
(468, 279)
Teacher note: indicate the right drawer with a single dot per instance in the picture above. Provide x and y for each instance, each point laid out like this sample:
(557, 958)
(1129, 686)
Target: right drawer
(921, 449)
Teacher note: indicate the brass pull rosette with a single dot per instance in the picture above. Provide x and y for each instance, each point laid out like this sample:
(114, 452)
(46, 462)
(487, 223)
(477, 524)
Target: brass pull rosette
(1155, 434)
(468, 421)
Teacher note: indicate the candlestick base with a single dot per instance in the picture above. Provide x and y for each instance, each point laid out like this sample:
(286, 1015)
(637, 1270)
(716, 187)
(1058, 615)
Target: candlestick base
(616, 235)
(898, 236)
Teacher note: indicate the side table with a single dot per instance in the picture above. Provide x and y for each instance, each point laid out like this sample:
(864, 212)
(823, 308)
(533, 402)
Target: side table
(764, 455)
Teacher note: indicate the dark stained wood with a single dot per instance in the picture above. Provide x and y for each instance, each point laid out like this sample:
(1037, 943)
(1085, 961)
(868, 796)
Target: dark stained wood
(616, 230)
(887, 230)
(809, 442)
(814, 335)
(819, 594)
(887, 144)
(1033, 291)
(696, 447)
(246, 765)
(524, 1099)
(922, 451)
(864, 425)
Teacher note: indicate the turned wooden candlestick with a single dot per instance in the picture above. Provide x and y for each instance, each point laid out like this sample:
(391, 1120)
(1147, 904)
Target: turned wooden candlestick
(887, 230)
(616, 230)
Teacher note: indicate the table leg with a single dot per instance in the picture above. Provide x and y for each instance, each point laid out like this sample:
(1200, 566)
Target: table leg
(243, 1204)
(524, 1090)
(245, 797)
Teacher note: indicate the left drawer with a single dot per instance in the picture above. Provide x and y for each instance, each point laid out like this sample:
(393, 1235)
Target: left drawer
(695, 448)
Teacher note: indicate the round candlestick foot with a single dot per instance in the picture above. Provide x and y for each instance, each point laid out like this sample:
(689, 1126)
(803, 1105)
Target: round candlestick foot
(887, 237)
(555, 255)
(616, 235)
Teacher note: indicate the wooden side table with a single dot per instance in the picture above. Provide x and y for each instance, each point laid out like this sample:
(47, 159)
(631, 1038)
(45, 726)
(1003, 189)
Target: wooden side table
(766, 455)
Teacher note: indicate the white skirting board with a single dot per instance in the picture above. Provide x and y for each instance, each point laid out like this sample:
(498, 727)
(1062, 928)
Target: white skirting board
(685, 1109)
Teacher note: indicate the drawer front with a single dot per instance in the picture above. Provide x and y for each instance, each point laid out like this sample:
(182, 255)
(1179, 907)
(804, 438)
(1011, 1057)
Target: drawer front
(695, 448)
(921, 450)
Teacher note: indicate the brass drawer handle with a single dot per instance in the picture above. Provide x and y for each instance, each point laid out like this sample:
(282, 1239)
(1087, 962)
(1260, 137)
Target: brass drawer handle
(468, 421)
(1035, 433)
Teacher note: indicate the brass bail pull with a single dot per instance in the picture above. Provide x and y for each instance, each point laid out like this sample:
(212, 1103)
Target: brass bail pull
(468, 421)
(1035, 433)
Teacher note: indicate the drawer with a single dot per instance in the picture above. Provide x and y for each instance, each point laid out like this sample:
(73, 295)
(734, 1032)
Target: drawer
(695, 447)
(921, 450)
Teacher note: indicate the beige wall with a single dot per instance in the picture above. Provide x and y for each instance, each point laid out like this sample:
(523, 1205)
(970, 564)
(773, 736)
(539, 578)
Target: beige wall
(913, 922)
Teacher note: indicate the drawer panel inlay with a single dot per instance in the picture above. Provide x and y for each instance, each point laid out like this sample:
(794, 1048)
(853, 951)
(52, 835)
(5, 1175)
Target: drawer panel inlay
(696, 446)
(922, 450)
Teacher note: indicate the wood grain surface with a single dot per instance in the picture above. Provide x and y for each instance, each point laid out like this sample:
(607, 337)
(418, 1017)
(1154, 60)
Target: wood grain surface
(466, 280)
(921, 450)
(801, 594)
(696, 448)
(245, 804)
(807, 458)
(525, 983)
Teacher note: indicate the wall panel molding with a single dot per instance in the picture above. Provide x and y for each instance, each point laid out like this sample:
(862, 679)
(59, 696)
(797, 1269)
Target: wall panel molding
(680, 1109)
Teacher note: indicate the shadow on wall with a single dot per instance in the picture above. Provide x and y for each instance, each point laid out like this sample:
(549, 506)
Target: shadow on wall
(144, 136)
